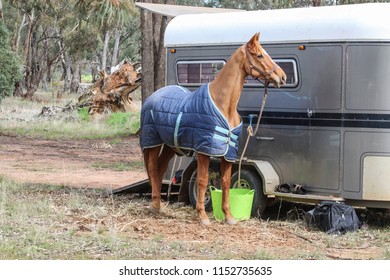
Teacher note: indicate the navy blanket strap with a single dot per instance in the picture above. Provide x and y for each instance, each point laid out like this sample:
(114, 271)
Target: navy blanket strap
(188, 121)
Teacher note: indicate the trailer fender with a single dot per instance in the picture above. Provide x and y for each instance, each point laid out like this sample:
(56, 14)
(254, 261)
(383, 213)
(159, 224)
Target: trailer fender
(268, 174)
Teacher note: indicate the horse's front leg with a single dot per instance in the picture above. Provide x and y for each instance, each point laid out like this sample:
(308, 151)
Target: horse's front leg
(226, 173)
(202, 180)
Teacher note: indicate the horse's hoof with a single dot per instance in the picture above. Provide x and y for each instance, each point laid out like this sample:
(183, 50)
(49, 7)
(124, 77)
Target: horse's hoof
(205, 222)
(154, 210)
(231, 221)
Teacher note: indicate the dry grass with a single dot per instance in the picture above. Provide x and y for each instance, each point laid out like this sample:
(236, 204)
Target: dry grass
(51, 222)
(20, 116)
(45, 222)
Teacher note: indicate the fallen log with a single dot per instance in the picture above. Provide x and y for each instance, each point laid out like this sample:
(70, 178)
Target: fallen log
(113, 93)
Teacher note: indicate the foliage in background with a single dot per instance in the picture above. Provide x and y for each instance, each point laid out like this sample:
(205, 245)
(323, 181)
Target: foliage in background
(9, 65)
(61, 39)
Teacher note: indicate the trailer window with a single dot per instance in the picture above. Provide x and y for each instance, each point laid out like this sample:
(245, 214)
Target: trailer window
(289, 67)
(197, 72)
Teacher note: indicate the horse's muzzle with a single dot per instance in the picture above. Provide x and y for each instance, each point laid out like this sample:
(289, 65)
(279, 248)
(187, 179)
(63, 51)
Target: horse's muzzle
(278, 78)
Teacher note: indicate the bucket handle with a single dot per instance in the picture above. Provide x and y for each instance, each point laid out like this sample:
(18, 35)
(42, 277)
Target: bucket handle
(212, 188)
(250, 192)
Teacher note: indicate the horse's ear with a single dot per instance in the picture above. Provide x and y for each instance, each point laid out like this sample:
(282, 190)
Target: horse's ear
(253, 41)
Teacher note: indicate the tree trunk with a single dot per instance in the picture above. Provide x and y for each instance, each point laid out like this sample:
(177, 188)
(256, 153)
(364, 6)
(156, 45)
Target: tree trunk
(147, 54)
(74, 85)
(19, 85)
(66, 65)
(22, 24)
(159, 52)
(18, 89)
(152, 49)
(49, 62)
(105, 50)
(1, 10)
(115, 52)
(34, 70)
(95, 70)
(28, 54)
(316, 3)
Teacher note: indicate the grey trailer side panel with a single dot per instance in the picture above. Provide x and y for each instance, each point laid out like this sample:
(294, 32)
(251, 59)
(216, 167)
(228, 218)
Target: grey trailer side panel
(375, 173)
(368, 77)
(301, 155)
(363, 153)
(367, 145)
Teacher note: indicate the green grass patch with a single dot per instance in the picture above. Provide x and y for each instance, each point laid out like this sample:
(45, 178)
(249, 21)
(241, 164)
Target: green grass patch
(124, 120)
(86, 78)
(83, 114)
(120, 166)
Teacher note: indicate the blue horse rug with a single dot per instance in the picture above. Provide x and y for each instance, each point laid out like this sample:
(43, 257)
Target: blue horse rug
(188, 122)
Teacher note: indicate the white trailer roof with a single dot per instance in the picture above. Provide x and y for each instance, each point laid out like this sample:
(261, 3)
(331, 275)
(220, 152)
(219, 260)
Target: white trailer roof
(359, 22)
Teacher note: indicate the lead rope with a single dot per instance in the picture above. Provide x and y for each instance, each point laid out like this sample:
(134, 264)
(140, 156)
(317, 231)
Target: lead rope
(250, 130)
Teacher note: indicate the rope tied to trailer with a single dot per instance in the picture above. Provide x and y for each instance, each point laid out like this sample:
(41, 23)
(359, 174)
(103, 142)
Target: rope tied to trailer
(250, 130)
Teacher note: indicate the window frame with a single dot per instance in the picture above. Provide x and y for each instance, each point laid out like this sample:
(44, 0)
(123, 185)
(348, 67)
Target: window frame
(203, 61)
(280, 60)
(246, 85)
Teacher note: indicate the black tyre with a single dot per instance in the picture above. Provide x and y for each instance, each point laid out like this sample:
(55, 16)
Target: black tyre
(251, 180)
(214, 180)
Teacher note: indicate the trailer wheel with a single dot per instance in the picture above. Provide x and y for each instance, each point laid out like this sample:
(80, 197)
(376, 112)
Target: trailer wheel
(214, 180)
(251, 180)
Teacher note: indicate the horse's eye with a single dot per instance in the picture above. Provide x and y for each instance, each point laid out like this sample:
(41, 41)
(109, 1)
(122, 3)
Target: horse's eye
(260, 56)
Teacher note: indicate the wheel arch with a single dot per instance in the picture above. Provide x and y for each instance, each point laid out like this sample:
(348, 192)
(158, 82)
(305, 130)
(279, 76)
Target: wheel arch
(265, 171)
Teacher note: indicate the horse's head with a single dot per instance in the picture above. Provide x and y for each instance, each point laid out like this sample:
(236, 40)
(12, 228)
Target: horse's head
(260, 65)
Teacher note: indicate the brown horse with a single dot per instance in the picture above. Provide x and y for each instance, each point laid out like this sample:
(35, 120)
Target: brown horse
(250, 59)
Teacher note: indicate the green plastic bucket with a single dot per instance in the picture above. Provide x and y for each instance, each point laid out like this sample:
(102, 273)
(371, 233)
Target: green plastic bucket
(241, 201)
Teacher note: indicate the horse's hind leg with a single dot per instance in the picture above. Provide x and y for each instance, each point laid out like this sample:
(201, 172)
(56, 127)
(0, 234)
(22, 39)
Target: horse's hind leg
(163, 160)
(202, 179)
(156, 164)
(151, 164)
(226, 173)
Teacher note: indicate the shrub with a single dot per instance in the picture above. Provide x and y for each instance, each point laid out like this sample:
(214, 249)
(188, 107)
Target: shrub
(83, 114)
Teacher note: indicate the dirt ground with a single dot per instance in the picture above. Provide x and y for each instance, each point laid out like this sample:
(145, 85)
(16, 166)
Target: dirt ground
(73, 163)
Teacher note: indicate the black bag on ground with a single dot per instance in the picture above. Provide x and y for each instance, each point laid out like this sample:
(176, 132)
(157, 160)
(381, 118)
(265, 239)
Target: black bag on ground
(333, 217)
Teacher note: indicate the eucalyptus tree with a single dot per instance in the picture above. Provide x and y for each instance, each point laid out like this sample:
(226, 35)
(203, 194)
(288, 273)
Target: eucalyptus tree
(110, 16)
(41, 31)
(40, 50)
